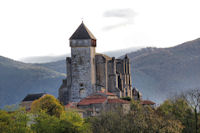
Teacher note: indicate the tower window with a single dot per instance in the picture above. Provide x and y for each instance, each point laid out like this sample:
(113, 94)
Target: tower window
(82, 92)
(81, 84)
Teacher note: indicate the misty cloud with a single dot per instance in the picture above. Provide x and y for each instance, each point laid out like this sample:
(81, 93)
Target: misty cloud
(121, 13)
(127, 15)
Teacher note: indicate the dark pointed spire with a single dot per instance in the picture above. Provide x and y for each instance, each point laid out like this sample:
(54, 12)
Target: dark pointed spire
(126, 56)
(82, 32)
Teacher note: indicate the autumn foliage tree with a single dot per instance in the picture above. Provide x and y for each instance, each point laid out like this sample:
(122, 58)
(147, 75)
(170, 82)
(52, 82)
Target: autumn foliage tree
(139, 119)
(14, 122)
(69, 122)
(48, 104)
(179, 109)
(50, 117)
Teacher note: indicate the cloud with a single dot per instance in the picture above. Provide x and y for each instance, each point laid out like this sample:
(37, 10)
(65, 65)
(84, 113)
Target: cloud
(121, 13)
(127, 15)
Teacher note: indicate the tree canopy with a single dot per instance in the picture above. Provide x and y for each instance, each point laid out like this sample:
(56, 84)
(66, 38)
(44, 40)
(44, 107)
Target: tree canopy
(176, 115)
(48, 104)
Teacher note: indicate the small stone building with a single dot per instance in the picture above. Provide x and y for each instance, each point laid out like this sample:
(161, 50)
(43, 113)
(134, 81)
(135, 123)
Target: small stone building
(102, 101)
(89, 72)
(28, 100)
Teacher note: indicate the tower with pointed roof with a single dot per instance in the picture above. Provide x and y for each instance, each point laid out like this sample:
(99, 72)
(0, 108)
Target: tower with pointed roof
(81, 65)
(89, 72)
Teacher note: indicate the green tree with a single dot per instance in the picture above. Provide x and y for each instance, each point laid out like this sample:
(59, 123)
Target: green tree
(193, 98)
(44, 123)
(14, 122)
(72, 122)
(5, 122)
(48, 104)
(139, 119)
(178, 109)
(69, 122)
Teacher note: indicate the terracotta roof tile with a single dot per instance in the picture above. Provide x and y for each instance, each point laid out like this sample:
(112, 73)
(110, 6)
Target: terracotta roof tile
(98, 98)
(147, 102)
(107, 93)
(71, 105)
(118, 101)
(95, 96)
(91, 101)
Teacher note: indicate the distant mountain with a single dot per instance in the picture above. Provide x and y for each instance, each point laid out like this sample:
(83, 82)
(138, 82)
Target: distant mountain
(157, 72)
(162, 72)
(44, 59)
(59, 66)
(17, 79)
(49, 59)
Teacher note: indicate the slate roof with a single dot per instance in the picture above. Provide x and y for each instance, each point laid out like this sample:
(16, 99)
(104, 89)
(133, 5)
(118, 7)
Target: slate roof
(82, 32)
(32, 97)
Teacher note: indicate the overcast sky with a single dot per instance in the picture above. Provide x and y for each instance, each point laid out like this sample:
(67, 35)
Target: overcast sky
(43, 27)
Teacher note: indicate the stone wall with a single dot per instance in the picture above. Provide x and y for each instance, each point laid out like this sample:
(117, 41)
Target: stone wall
(82, 72)
(101, 72)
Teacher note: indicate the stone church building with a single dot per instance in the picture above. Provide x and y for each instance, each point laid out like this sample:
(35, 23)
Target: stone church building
(89, 72)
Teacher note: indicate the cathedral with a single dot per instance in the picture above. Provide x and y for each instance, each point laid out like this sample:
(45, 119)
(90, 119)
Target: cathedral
(89, 72)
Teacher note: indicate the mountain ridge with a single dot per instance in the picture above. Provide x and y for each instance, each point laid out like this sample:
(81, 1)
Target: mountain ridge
(157, 72)
(171, 70)
(17, 79)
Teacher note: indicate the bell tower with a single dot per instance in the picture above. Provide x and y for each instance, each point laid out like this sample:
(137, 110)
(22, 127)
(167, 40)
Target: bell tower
(81, 64)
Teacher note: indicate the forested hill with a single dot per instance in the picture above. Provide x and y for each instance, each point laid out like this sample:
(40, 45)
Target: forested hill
(17, 79)
(162, 72)
(157, 72)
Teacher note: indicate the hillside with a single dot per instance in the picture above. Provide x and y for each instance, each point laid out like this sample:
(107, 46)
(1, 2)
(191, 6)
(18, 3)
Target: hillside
(18, 79)
(58, 66)
(161, 72)
(157, 72)
(50, 59)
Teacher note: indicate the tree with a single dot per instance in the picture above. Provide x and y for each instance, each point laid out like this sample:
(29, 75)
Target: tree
(193, 98)
(139, 119)
(5, 121)
(72, 122)
(14, 122)
(20, 121)
(44, 123)
(178, 109)
(48, 104)
(69, 122)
